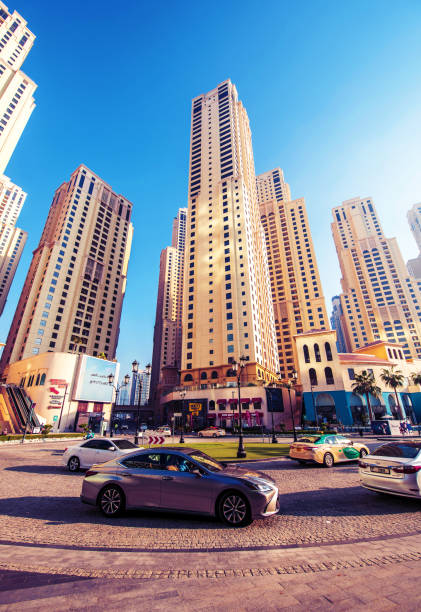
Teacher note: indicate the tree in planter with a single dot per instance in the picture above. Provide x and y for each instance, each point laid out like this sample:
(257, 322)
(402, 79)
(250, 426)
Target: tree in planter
(394, 379)
(46, 430)
(365, 384)
(85, 428)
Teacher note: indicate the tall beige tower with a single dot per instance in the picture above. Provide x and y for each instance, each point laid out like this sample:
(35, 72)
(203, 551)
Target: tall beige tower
(16, 89)
(380, 301)
(166, 358)
(414, 220)
(297, 295)
(74, 290)
(227, 309)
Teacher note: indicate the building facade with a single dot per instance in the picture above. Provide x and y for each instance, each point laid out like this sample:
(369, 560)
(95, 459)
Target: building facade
(414, 220)
(12, 241)
(16, 88)
(73, 293)
(336, 322)
(227, 305)
(380, 301)
(327, 377)
(167, 340)
(297, 295)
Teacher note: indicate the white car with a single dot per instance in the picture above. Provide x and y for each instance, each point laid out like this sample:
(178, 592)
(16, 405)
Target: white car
(163, 431)
(89, 452)
(212, 432)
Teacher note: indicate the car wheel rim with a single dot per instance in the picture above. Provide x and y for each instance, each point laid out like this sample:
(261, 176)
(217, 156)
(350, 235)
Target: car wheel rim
(73, 464)
(111, 501)
(234, 509)
(328, 460)
(363, 452)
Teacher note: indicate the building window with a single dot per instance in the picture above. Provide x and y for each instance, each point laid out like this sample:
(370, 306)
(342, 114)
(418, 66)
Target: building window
(328, 352)
(329, 376)
(306, 354)
(313, 377)
(317, 352)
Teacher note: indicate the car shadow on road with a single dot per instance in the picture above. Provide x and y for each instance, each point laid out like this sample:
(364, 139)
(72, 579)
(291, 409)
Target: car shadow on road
(43, 469)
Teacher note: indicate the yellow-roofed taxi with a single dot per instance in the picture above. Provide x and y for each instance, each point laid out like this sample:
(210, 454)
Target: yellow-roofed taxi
(326, 449)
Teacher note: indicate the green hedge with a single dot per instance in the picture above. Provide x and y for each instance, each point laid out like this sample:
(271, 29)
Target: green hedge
(39, 436)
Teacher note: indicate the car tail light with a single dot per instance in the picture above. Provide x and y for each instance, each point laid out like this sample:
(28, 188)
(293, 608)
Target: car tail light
(307, 447)
(65, 450)
(362, 464)
(406, 469)
(90, 473)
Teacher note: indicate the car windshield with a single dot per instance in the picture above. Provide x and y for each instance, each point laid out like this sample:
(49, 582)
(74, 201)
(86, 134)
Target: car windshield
(124, 444)
(406, 451)
(211, 464)
(312, 439)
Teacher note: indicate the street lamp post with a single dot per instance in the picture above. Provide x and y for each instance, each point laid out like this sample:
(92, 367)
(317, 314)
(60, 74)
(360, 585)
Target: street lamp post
(238, 368)
(290, 383)
(116, 388)
(182, 395)
(135, 370)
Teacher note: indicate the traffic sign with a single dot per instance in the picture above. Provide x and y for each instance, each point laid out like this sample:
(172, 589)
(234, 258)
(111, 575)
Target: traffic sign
(156, 440)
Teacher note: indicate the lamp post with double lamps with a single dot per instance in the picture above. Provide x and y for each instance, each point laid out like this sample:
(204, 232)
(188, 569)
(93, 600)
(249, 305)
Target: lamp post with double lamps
(116, 388)
(238, 368)
(182, 396)
(135, 370)
(274, 439)
(291, 383)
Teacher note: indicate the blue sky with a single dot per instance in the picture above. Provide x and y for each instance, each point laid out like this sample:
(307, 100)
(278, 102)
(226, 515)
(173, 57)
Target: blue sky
(332, 90)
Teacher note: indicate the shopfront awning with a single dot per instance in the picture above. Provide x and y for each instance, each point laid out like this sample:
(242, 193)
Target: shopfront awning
(256, 400)
(221, 401)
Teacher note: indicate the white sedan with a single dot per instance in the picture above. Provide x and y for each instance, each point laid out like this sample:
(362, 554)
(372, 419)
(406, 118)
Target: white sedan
(212, 432)
(89, 452)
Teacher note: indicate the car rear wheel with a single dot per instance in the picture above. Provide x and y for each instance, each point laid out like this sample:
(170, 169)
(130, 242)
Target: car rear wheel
(200, 435)
(73, 464)
(214, 436)
(328, 460)
(363, 452)
(234, 510)
(111, 501)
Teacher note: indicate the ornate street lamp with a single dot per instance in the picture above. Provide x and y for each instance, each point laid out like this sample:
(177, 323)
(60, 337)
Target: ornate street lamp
(182, 396)
(135, 370)
(291, 383)
(116, 388)
(274, 439)
(238, 368)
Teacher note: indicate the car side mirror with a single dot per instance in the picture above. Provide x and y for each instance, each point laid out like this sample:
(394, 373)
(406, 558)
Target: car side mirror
(113, 448)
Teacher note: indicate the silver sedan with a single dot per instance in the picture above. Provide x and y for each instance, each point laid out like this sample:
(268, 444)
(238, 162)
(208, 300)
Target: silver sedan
(184, 480)
(393, 468)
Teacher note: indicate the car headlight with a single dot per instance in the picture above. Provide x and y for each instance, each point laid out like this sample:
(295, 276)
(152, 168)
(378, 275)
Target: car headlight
(258, 485)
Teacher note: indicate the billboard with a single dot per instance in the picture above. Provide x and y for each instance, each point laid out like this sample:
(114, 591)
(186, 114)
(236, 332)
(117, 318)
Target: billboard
(92, 383)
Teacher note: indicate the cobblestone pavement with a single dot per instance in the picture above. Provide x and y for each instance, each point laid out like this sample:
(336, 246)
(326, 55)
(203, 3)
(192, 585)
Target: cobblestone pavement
(39, 503)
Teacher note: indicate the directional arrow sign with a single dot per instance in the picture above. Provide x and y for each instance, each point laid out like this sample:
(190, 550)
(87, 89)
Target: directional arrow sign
(156, 440)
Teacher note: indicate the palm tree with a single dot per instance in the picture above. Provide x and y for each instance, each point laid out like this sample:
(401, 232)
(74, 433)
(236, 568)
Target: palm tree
(364, 385)
(393, 379)
(416, 378)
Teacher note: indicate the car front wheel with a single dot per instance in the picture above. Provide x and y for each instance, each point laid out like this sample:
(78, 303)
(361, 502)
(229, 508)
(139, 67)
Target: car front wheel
(73, 464)
(200, 435)
(328, 460)
(111, 501)
(214, 436)
(234, 510)
(363, 452)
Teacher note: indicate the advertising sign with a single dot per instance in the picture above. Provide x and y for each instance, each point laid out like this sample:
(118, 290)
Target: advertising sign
(92, 384)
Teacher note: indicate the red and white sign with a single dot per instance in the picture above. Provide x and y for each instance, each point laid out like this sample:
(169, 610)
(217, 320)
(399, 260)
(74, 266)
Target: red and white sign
(156, 440)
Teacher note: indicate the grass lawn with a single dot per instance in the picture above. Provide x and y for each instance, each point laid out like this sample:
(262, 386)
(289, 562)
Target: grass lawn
(224, 451)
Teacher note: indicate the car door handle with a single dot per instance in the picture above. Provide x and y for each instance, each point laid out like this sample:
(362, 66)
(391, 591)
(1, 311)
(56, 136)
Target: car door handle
(167, 478)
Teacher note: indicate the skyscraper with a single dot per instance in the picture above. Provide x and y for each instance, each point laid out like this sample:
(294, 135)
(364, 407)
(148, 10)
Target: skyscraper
(297, 295)
(414, 220)
(166, 358)
(380, 301)
(74, 289)
(336, 321)
(16, 89)
(227, 305)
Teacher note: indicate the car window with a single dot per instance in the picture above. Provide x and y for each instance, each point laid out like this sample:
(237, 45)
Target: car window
(330, 440)
(312, 439)
(177, 463)
(407, 451)
(207, 461)
(124, 444)
(104, 445)
(91, 444)
(343, 440)
(147, 461)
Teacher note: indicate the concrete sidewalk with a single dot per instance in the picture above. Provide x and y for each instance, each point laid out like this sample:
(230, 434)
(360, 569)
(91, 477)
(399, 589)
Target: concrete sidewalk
(381, 575)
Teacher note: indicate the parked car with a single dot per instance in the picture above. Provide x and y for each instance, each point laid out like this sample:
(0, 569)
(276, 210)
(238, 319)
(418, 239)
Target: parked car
(326, 449)
(95, 451)
(212, 432)
(180, 480)
(393, 468)
(163, 431)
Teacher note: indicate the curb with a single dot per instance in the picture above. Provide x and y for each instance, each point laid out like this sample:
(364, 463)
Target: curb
(18, 442)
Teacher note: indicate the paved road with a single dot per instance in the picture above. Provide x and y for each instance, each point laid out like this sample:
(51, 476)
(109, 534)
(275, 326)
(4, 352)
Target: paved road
(333, 546)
